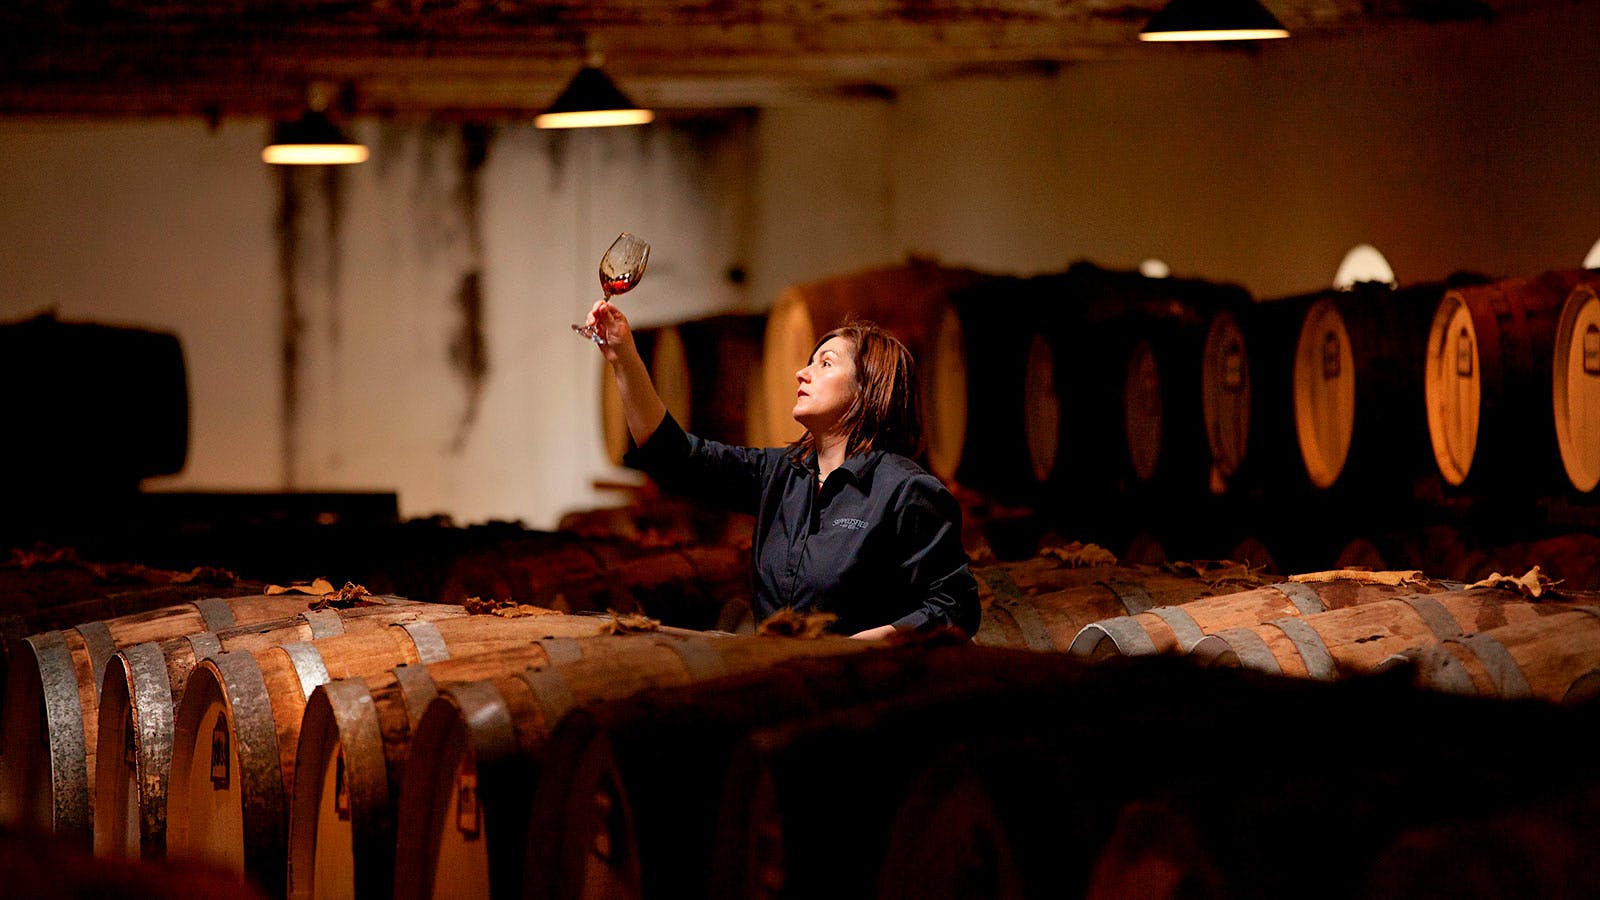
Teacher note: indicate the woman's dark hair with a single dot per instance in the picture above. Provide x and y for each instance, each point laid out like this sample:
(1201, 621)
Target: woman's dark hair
(887, 411)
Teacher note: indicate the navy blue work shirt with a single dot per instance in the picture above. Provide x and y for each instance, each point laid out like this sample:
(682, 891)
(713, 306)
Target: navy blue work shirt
(880, 543)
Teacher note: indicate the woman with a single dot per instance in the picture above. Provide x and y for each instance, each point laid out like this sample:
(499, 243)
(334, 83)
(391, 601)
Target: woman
(846, 523)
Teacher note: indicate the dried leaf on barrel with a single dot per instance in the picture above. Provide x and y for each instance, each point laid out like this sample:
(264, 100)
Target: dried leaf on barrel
(1217, 573)
(1078, 555)
(505, 609)
(122, 573)
(206, 575)
(630, 623)
(317, 588)
(792, 623)
(1534, 584)
(43, 556)
(1362, 576)
(350, 596)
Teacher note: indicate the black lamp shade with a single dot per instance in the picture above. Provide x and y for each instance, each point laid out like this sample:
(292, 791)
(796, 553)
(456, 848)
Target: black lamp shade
(592, 100)
(1213, 20)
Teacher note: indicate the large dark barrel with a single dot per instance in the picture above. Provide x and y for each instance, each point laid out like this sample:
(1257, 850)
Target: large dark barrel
(52, 704)
(141, 689)
(1126, 351)
(102, 405)
(1247, 396)
(1490, 371)
(1358, 388)
(669, 375)
(911, 302)
(236, 729)
(723, 361)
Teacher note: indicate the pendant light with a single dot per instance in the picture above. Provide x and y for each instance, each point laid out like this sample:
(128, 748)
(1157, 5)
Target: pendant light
(313, 139)
(592, 100)
(1213, 20)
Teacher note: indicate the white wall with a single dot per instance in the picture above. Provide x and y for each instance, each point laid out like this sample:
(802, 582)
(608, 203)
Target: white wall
(1464, 146)
(165, 225)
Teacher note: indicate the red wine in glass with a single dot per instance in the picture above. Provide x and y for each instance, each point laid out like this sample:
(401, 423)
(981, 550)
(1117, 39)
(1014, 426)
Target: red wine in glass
(620, 271)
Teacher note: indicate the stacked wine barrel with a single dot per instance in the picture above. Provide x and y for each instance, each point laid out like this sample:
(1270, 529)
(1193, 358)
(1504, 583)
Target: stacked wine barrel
(297, 743)
(1184, 417)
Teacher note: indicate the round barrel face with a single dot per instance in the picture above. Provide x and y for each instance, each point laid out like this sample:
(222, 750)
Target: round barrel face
(1576, 388)
(786, 348)
(1041, 408)
(1141, 403)
(335, 852)
(462, 868)
(613, 421)
(669, 369)
(1453, 388)
(211, 828)
(1324, 393)
(26, 796)
(1225, 394)
(116, 796)
(946, 403)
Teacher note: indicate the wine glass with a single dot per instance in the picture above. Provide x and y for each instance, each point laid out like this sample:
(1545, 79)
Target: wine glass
(620, 269)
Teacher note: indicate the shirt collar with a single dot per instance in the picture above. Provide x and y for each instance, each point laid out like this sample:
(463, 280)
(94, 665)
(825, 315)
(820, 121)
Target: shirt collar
(858, 466)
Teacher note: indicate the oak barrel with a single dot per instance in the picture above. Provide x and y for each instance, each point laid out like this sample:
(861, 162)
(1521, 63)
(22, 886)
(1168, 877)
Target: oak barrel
(237, 728)
(658, 755)
(478, 751)
(1575, 390)
(1358, 387)
(722, 355)
(355, 738)
(51, 711)
(1357, 639)
(1051, 621)
(86, 381)
(911, 302)
(1179, 628)
(1490, 371)
(140, 692)
(1551, 658)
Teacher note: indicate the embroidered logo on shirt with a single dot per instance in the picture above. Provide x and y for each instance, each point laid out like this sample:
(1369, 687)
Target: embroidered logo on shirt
(852, 524)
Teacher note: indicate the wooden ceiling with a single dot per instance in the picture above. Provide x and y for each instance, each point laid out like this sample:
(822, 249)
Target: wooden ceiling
(490, 60)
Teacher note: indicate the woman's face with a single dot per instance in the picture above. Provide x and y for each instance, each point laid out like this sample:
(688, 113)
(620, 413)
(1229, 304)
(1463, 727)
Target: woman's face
(827, 386)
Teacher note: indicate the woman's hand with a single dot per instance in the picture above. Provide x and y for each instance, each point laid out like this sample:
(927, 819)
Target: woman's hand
(616, 337)
(874, 634)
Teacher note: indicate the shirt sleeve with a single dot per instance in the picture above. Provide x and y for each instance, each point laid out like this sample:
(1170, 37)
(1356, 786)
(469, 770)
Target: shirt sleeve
(929, 529)
(685, 464)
